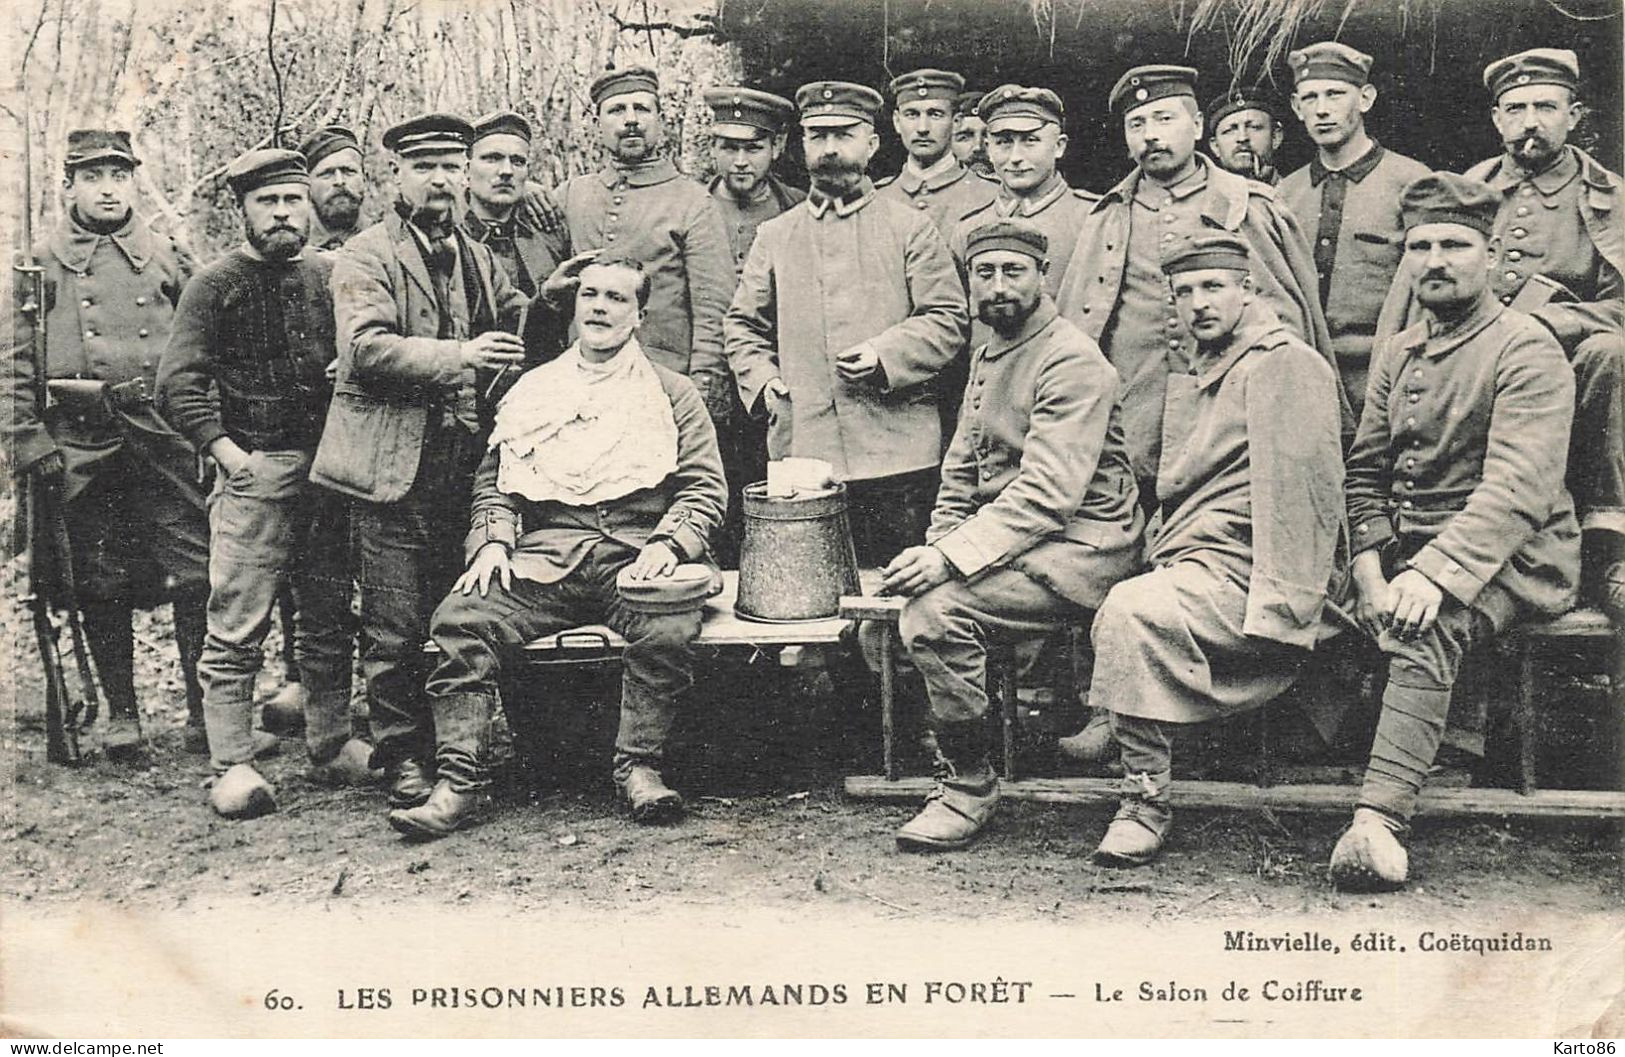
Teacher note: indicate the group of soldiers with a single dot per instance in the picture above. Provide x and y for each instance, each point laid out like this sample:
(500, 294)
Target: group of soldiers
(1204, 415)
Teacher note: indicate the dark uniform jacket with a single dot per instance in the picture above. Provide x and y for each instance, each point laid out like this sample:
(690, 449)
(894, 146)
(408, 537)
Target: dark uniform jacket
(741, 223)
(109, 302)
(1458, 463)
(526, 252)
(392, 366)
(947, 195)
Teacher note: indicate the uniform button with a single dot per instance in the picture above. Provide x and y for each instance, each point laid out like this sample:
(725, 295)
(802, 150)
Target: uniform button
(1514, 255)
(1325, 242)
(1523, 211)
(1411, 421)
(617, 199)
(1415, 397)
(920, 204)
(614, 216)
(1407, 504)
(1519, 233)
(1410, 464)
(1173, 343)
(141, 333)
(1511, 276)
(85, 303)
(1417, 373)
(610, 236)
(1417, 443)
(1506, 299)
(1167, 218)
(1363, 529)
(90, 333)
(140, 301)
(146, 363)
(1527, 191)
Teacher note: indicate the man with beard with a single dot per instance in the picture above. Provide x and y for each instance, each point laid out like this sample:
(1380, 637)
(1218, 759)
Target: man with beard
(338, 183)
(425, 319)
(747, 137)
(848, 308)
(970, 135)
(1246, 134)
(1035, 520)
(137, 530)
(932, 178)
(1559, 255)
(1347, 199)
(1251, 492)
(1025, 142)
(498, 167)
(1461, 522)
(642, 207)
(603, 473)
(244, 379)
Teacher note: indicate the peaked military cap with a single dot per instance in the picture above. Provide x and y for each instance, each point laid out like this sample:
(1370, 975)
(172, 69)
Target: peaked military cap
(745, 113)
(328, 141)
(1021, 109)
(965, 103)
(826, 104)
(1016, 235)
(500, 123)
(261, 168)
(1236, 100)
(1220, 249)
(1536, 66)
(619, 82)
(1330, 61)
(1147, 84)
(429, 133)
(926, 84)
(1446, 198)
(87, 146)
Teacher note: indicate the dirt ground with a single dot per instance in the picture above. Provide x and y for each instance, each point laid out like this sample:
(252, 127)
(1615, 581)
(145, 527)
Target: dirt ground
(769, 827)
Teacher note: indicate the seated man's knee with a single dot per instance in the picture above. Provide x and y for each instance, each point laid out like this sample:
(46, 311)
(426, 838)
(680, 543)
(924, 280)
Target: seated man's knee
(929, 617)
(667, 630)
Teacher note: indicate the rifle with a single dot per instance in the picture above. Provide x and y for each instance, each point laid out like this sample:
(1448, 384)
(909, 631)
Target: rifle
(40, 517)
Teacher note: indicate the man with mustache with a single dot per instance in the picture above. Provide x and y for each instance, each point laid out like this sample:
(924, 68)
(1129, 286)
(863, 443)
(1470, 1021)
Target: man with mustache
(1246, 134)
(338, 185)
(1251, 491)
(641, 206)
(244, 378)
(1035, 519)
(498, 168)
(425, 322)
(970, 135)
(138, 532)
(932, 179)
(748, 130)
(603, 469)
(848, 308)
(1461, 524)
(1559, 255)
(1347, 199)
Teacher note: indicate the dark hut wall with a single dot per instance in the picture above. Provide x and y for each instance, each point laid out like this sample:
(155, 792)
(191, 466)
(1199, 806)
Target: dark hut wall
(1430, 55)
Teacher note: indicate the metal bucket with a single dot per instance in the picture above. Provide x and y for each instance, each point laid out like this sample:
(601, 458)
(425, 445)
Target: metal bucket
(796, 558)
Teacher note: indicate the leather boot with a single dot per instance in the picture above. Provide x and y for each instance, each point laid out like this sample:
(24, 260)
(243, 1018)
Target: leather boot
(1138, 830)
(121, 738)
(1093, 743)
(408, 784)
(112, 647)
(242, 793)
(349, 767)
(955, 814)
(284, 711)
(647, 794)
(444, 812)
(1369, 856)
(190, 615)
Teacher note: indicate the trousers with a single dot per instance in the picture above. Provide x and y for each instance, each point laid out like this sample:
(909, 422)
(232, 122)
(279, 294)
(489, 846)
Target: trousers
(888, 514)
(1596, 476)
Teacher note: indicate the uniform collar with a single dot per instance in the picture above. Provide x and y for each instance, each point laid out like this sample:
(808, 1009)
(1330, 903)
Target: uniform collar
(1258, 328)
(75, 244)
(1042, 319)
(1146, 191)
(1224, 194)
(483, 230)
(1508, 174)
(1035, 203)
(1355, 171)
(645, 174)
(944, 172)
(1425, 340)
(844, 206)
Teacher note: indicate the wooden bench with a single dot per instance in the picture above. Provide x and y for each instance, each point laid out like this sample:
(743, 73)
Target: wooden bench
(1524, 641)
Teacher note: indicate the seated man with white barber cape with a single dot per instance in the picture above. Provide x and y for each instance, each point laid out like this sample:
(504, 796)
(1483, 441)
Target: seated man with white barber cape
(602, 480)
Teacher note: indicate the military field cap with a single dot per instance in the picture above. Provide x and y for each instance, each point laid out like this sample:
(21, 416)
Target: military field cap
(1446, 198)
(926, 84)
(88, 146)
(1147, 84)
(327, 141)
(1330, 61)
(827, 104)
(965, 103)
(1018, 109)
(429, 133)
(261, 168)
(745, 113)
(1015, 235)
(1535, 66)
(619, 82)
(1236, 100)
(685, 590)
(500, 123)
(1218, 250)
